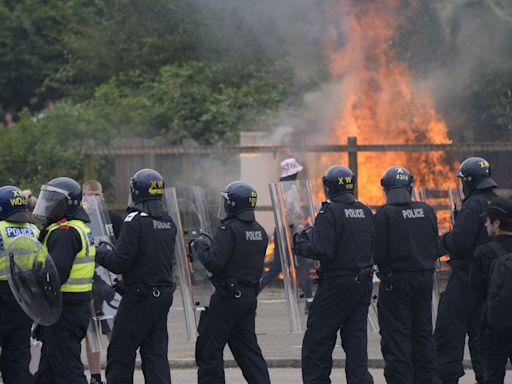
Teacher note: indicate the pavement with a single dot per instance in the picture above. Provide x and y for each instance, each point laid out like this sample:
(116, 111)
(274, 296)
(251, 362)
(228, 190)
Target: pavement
(280, 348)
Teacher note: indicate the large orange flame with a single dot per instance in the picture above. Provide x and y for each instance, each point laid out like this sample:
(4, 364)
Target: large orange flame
(380, 102)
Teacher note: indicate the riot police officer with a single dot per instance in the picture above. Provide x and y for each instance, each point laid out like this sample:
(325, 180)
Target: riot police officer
(236, 261)
(14, 323)
(405, 251)
(144, 255)
(460, 308)
(342, 241)
(68, 240)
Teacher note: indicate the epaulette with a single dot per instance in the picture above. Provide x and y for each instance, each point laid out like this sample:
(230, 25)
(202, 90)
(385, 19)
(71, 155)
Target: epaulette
(131, 216)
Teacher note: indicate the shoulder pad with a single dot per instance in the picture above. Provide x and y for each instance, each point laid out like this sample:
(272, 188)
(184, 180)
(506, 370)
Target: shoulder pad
(131, 216)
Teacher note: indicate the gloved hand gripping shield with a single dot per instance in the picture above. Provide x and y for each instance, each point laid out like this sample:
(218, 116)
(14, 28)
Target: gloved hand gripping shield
(34, 280)
(187, 207)
(292, 205)
(105, 299)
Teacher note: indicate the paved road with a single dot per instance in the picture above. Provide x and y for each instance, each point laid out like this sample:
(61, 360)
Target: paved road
(277, 375)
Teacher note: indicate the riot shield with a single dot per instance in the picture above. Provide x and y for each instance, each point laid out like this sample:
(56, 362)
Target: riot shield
(34, 280)
(105, 299)
(292, 204)
(187, 207)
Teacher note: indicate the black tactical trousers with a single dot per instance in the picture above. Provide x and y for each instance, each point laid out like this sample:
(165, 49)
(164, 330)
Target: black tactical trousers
(60, 357)
(496, 349)
(231, 321)
(14, 340)
(340, 304)
(405, 320)
(140, 322)
(460, 311)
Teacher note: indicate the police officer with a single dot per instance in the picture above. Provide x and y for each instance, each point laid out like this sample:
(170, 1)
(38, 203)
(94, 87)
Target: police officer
(460, 307)
(236, 261)
(15, 325)
(405, 251)
(496, 341)
(342, 241)
(69, 242)
(144, 255)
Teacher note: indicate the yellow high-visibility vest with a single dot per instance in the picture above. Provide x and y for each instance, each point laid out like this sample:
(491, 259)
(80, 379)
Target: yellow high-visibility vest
(8, 232)
(82, 271)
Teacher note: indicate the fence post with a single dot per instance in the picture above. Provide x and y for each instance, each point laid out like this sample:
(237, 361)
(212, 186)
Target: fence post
(352, 158)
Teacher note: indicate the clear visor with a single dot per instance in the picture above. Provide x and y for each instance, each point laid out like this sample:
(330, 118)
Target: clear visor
(223, 213)
(50, 202)
(460, 188)
(91, 203)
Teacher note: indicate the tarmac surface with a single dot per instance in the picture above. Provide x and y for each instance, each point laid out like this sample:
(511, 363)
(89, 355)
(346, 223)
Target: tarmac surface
(280, 348)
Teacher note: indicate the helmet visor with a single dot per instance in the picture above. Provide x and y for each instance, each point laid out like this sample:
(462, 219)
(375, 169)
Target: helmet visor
(51, 203)
(223, 202)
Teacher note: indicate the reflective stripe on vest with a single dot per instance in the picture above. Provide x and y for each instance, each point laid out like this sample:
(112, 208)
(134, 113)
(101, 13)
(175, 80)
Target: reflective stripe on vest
(8, 232)
(82, 271)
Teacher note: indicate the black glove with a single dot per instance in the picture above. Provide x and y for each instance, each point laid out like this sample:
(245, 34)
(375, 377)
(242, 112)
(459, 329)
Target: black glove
(104, 251)
(302, 238)
(119, 286)
(101, 291)
(200, 246)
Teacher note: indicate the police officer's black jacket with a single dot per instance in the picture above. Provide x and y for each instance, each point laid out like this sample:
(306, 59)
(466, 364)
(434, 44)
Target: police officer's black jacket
(144, 251)
(238, 250)
(405, 236)
(468, 231)
(481, 264)
(342, 237)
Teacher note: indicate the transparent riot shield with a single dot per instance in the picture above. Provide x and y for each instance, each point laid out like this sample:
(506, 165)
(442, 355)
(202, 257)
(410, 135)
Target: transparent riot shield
(441, 201)
(187, 207)
(34, 280)
(105, 299)
(292, 204)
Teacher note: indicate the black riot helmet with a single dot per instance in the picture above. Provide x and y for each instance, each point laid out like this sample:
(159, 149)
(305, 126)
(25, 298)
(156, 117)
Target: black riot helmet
(337, 180)
(236, 198)
(59, 198)
(13, 205)
(475, 173)
(397, 177)
(146, 191)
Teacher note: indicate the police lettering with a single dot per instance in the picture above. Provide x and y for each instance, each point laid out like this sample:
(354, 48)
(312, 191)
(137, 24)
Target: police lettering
(253, 235)
(17, 231)
(160, 225)
(354, 213)
(413, 213)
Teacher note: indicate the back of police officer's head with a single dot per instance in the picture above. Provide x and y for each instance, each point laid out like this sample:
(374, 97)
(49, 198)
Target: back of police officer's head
(146, 192)
(475, 174)
(338, 181)
(13, 205)
(60, 198)
(499, 217)
(238, 199)
(397, 184)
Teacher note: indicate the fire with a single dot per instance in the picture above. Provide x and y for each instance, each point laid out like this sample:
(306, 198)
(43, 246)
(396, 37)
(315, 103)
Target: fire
(269, 254)
(381, 103)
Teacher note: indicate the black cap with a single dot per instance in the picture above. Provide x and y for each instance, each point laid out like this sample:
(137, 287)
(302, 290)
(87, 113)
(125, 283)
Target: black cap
(500, 208)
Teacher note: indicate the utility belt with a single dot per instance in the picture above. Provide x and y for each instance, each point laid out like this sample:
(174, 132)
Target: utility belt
(236, 288)
(139, 291)
(357, 274)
